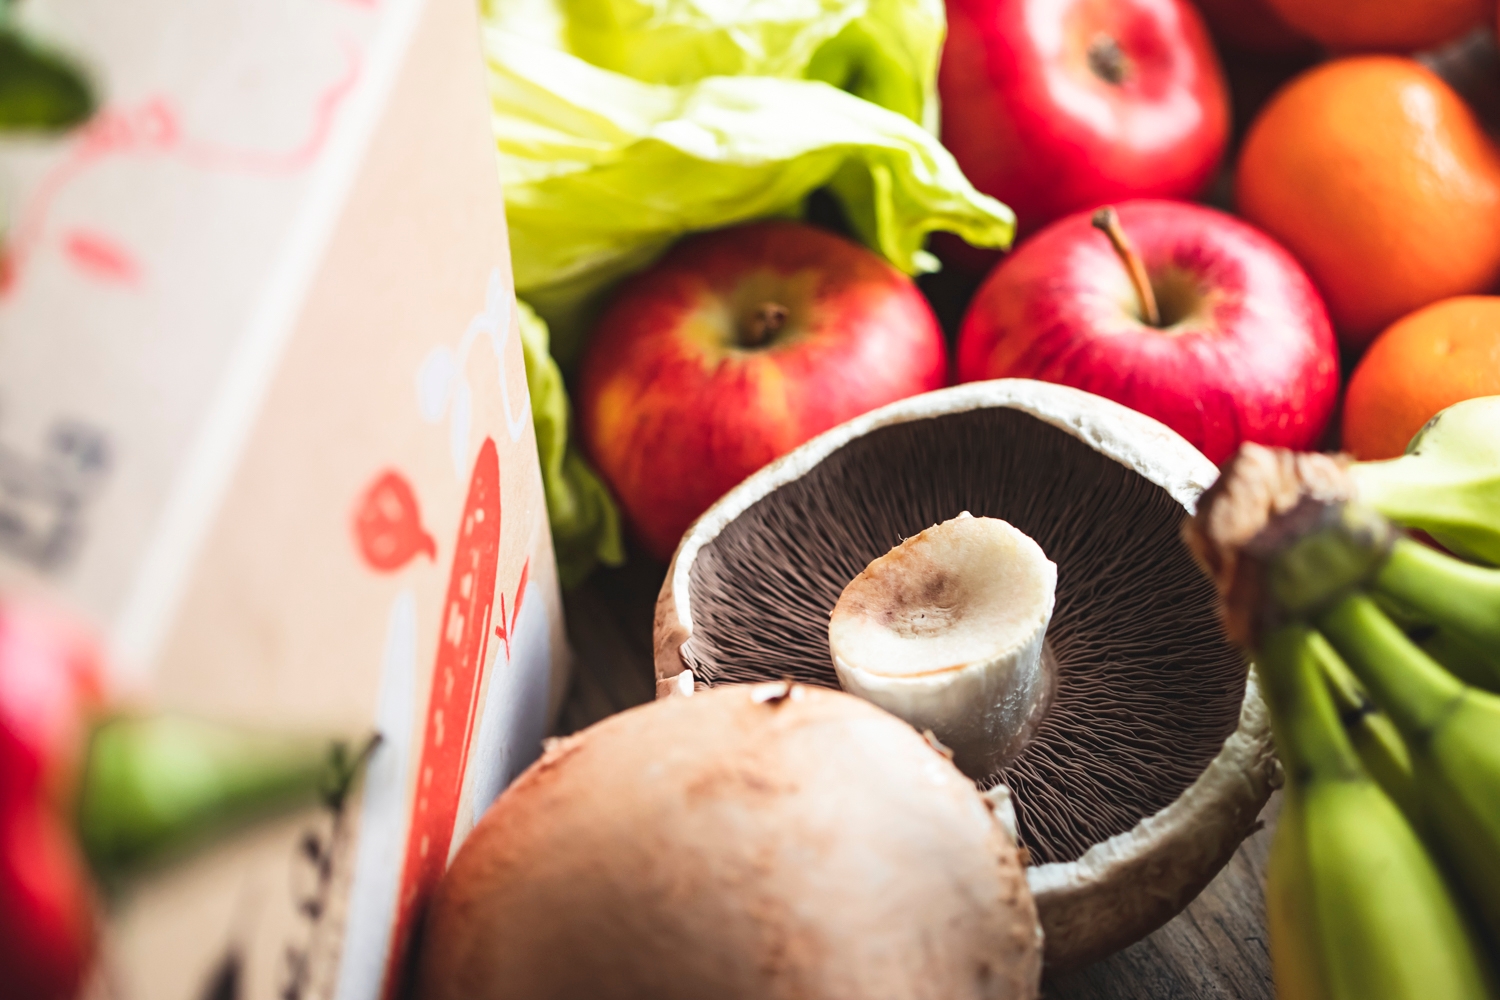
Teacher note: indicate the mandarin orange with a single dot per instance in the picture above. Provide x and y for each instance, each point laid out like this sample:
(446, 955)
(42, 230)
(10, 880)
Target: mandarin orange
(1437, 356)
(1385, 25)
(1378, 177)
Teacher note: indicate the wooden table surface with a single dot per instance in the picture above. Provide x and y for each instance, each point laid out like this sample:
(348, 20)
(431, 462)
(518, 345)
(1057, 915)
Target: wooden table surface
(1214, 950)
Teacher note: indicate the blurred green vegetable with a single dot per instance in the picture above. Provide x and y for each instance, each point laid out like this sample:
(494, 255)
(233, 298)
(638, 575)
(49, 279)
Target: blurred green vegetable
(624, 124)
(40, 90)
(155, 784)
(585, 523)
(885, 51)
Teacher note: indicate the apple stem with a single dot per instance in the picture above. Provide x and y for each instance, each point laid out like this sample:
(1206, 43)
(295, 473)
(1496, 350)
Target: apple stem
(763, 323)
(1107, 221)
(1108, 60)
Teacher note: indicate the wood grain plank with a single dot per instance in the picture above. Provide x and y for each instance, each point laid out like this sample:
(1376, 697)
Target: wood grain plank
(1214, 949)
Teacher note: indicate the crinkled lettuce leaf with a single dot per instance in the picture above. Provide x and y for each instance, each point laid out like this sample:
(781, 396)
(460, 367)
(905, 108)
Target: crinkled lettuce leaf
(585, 523)
(624, 124)
(885, 51)
(771, 142)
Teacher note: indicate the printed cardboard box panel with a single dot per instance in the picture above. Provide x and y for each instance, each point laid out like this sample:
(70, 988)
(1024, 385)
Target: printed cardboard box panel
(264, 420)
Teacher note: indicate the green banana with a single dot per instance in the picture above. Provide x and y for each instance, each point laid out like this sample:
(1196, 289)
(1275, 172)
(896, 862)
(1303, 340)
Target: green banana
(1469, 663)
(1287, 554)
(1370, 731)
(1448, 482)
(1320, 551)
(1355, 907)
(1466, 660)
(1452, 731)
(1456, 596)
(1448, 607)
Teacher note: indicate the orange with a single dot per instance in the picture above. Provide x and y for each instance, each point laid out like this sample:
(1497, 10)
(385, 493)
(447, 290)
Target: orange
(1422, 365)
(1393, 25)
(1378, 177)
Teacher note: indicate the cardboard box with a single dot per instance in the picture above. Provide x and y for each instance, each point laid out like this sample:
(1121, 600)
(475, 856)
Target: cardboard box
(264, 420)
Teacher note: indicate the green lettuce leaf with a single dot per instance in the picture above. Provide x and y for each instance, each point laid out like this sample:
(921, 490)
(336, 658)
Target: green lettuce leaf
(624, 124)
(882, 50)
(585, 523)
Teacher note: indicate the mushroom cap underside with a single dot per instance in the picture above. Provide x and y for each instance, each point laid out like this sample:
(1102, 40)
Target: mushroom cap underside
(1151, 703)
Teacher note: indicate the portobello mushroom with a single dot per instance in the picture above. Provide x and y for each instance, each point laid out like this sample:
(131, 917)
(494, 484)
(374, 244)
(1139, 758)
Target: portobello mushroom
(1151, 759)
(757, 842)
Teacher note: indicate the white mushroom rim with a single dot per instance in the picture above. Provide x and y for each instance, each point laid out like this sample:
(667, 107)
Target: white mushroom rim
(1246, 749)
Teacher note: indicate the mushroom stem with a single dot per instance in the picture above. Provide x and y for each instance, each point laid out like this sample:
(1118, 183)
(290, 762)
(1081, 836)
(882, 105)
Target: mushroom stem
(1107, 221)
(762, 324)
(946, 631)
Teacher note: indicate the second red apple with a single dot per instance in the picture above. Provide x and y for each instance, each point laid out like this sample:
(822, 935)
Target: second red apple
(1239, 349)
(1054, 106)
(735, 348)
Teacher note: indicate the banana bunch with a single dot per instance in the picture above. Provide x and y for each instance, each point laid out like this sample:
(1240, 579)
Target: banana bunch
(1448, 485)
(1355, 905)
(1380, 659)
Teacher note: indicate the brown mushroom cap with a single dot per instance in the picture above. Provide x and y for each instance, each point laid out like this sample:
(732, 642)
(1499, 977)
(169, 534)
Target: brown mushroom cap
(1152, 760)
(768, 841)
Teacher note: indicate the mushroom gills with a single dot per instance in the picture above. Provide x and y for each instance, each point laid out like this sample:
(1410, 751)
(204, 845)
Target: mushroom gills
(1152, 757)
(1146, 687)
(946, 631)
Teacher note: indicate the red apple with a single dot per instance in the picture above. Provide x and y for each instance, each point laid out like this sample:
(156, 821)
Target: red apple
(1242, 350)
(732, 350)
(1054, 106)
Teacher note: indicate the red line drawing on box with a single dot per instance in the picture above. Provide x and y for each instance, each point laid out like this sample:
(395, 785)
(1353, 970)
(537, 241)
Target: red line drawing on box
(507, 626)
(215, 156)
(154, 127)
(150, 127)
(100, 257)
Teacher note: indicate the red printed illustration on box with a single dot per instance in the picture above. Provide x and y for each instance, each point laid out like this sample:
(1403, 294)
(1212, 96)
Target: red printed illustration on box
(456, 680)
(388, 524)
(154, 127)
